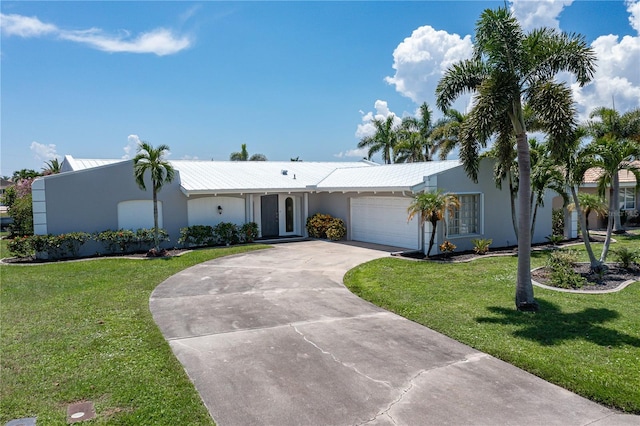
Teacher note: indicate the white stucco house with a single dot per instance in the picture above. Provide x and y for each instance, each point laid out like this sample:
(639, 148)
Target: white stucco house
(95, 195)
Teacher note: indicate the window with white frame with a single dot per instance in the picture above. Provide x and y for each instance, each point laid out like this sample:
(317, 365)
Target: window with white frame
(627, 198)
(466, 218)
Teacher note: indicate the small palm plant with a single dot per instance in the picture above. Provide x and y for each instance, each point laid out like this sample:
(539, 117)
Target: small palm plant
(432, 207)
(152, 159)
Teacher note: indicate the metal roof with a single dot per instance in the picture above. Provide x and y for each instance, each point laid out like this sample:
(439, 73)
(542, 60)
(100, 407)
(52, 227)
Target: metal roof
(400, 177)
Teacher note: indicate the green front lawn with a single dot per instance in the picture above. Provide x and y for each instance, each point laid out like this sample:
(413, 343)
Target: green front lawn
(589, 344)
(76, 331)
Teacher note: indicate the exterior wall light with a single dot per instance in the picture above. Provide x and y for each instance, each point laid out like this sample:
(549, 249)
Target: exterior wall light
(219, 209)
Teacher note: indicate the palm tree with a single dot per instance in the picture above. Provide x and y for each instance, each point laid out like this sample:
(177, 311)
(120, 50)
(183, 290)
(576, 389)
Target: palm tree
(545, 174)
(384, 139)
(52, 167)
(508, 70)
(152, 159)
(589, 203)
(624, 129)
(243, 155)
(612, 156)
(432, 206)
(414, 135)
(446, 132)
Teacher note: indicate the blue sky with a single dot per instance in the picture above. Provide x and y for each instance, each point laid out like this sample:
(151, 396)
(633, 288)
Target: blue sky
(289, 79)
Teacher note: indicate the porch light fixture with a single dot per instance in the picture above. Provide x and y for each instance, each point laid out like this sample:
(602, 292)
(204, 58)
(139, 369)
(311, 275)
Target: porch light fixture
(219, 209)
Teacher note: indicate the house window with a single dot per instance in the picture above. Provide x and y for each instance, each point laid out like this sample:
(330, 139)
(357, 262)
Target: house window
(288, 205)
(627, 198)
(466, 218)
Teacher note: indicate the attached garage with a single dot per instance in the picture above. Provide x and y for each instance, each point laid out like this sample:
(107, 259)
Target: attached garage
(383, 220)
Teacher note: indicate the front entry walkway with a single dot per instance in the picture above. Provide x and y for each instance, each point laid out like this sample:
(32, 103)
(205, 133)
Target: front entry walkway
(274, 338)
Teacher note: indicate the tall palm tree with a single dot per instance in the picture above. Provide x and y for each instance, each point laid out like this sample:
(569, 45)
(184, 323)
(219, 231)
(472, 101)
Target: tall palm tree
(589, 203)
(152, 159)
(508, 70)
(243, 155)
(545, 174)
(446, 132)
(432, 207)
(611, 156)
(414, 136)
(624, 129)
(384, 139)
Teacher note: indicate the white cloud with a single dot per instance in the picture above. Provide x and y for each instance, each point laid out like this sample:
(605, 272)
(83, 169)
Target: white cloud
(24, 26)
(133, 141)
(421, 59)
(382, 112)
(538, 13)
(352, 153)
(159, 41)
(617, 78)
(42, 152)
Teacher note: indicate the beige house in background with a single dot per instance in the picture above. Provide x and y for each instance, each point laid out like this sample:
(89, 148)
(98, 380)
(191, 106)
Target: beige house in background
(628, 195)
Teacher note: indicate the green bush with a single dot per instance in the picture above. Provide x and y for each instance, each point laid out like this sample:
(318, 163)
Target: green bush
(561, 264)
(55, 246)
(22, 213)
(481, 245)
(127, 241)
(337, 230)
(325, 226)
(227, 232)
(557, 222)
(197, 236)
(249, 232)
(555, 239)
(626, 257)
(21, 246)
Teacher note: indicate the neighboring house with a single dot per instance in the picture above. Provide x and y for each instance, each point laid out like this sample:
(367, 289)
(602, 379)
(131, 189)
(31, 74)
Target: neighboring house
(627, 197)
(93, 196)
(4, 184)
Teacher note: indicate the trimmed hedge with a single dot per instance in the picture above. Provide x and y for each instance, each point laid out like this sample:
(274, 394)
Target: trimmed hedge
(325, 226)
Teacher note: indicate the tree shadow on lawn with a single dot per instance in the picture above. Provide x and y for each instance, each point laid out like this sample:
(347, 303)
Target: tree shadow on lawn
(550, 326)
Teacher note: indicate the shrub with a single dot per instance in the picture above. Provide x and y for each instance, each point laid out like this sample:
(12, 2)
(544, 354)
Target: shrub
(481, 245)
(626, 257)
(555, 239)
(127, 241)
(561, 264)
(557, 222)
(197, 236)
(227, 233)
(337, 230)
(22, 213)
(21, 246)
(249, 232)
(447, 247)
(318, 224)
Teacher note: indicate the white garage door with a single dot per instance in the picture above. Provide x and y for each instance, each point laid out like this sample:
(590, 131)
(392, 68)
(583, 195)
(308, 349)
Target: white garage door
(383, 220)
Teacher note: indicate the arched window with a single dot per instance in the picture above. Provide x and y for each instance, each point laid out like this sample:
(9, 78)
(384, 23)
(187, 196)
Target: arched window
(288, 205)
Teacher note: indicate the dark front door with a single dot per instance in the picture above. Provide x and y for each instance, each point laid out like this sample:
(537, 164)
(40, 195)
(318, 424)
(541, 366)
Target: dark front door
(269, 215)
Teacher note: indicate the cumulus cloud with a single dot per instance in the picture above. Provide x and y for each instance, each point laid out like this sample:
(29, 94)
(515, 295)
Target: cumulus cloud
(159, 41)
(133, 141)
(617, 79)
(421, 59)
(42, 152)
(539, 13)
(367, 127)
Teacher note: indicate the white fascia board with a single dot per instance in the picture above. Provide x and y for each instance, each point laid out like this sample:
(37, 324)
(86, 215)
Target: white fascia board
(365, 189)
(189, 192)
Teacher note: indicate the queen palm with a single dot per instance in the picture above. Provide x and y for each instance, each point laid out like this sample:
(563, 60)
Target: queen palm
(432, 207)
(508, 70)
(623, 133)
(588, 203)
(446, 132)
(161, 171)
(384, 139)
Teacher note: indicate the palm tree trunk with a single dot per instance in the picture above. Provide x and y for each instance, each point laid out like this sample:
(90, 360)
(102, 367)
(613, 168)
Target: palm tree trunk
(433, 236)
(155, 219)
(533, 220)
(610, 227)
(524, 286)
(512, 199)
(594, 263)
(615, 208)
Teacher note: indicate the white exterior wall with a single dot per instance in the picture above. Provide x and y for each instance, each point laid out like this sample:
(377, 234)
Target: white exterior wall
(204, 210)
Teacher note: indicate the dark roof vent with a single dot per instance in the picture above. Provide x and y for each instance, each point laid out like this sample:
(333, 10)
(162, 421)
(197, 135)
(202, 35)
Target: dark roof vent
(284, 172)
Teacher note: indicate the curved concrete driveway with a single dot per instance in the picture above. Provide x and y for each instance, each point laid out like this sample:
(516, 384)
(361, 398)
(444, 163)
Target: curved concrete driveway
(274, 338)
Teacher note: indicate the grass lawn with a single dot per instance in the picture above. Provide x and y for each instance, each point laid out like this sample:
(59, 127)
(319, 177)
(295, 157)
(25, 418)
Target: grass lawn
(77, 331)
(589, 344)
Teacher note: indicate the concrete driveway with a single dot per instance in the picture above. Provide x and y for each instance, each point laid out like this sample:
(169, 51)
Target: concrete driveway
(274, 338)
